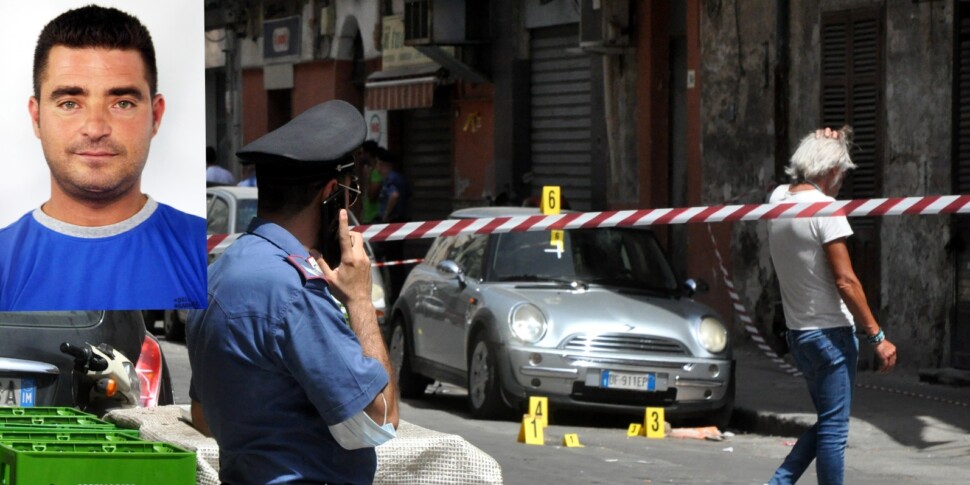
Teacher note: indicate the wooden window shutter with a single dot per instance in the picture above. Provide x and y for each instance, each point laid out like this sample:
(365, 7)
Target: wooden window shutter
(851, 91)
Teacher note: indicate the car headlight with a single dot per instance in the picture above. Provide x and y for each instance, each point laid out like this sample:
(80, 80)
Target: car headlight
(377, 296)
(528, 323)
(713, 334)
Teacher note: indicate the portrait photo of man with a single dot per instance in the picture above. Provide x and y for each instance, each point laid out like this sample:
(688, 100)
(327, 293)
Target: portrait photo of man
(101, 240)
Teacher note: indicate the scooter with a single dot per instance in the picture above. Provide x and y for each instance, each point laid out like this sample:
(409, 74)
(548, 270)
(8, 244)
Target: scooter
(104, 378)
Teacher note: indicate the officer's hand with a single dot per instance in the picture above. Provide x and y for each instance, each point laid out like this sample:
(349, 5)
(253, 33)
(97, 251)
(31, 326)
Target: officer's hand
(351, 281)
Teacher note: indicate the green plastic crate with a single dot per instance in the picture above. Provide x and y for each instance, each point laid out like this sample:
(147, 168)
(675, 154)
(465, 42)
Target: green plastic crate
(49, 421)
(44, 411)
(75, 463)
(133, 433)
(43, 435)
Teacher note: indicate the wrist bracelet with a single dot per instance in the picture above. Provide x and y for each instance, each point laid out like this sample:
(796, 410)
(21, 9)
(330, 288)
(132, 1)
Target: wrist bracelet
(878, 337)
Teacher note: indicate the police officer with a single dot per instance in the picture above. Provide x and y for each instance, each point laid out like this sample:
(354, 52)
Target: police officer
(292, 387)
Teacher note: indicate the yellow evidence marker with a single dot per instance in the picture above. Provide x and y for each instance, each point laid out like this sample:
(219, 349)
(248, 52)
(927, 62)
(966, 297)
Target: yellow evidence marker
(539, 407)
(635, 429)
(530, 432)
(549, 204)
(654, 422)
(571, 440)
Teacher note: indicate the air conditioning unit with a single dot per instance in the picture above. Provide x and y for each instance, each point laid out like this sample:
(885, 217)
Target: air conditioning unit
(604, 26)
(444, 22)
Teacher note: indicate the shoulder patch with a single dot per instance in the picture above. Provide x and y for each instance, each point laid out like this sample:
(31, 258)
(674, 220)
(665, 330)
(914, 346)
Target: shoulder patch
(308, 267)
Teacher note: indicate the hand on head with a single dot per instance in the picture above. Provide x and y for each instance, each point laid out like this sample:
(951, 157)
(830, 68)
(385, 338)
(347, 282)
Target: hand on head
(826, 133)
(351, 280)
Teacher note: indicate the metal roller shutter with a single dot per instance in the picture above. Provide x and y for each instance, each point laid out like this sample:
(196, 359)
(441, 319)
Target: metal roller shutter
(427, 162)
(561, 95)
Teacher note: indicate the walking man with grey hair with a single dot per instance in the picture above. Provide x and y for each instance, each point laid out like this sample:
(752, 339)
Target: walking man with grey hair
(823, 301)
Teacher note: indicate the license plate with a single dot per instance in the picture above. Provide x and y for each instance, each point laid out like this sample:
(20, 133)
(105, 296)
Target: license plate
(17, 392)
(625, 380)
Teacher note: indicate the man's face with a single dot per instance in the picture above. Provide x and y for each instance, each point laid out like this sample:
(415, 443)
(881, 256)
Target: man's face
(95, 119)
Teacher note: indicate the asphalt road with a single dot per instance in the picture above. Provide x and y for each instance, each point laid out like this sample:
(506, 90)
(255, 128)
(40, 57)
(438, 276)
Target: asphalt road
(609, 457)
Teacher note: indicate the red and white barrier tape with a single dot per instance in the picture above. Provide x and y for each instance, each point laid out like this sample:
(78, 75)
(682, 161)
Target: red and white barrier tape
(914, 394)
(381, 264)
(223, 241)
(743, 316)
(948, 204)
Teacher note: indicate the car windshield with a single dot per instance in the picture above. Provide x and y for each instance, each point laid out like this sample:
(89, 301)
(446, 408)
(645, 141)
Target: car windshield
(51, 319)
(245, 211)
(626, 258)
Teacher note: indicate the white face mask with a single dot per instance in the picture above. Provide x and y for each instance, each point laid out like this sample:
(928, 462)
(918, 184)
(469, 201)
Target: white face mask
(360, 431)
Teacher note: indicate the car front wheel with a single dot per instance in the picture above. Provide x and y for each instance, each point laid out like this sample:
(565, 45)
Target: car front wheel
(410, 384)
(483, 392)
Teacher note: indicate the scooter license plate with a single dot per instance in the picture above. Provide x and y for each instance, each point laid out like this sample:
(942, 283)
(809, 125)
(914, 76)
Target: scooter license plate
(17, 392)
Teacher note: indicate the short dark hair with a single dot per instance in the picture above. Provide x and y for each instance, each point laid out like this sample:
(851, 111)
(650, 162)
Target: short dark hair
(288, 189)
(371, 147)
(97, 27)
(390, 157)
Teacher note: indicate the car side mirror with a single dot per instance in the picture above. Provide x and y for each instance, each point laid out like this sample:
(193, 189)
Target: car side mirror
(450, 267)
(693, 287)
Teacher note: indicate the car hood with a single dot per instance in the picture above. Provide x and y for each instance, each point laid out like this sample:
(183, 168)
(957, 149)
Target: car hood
(599, 309)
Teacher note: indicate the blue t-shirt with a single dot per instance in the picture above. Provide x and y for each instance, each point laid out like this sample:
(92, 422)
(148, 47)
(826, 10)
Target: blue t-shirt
(152, 261)
(395, 183)
(274, 363)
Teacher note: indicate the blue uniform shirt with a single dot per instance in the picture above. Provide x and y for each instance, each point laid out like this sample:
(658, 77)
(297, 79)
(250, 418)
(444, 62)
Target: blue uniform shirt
(154, 260)
(274, 363)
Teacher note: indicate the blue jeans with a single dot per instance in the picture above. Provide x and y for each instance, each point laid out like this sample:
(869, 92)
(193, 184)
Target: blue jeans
(828, 359)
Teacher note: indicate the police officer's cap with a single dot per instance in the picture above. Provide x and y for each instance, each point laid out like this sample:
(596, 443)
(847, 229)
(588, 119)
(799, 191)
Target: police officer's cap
(317, 140)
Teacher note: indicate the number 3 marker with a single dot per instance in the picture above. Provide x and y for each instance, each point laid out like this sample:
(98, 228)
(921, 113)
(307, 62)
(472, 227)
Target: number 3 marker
(654, 422)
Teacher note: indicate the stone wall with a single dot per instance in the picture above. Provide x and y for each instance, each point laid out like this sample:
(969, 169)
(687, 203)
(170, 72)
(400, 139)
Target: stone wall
(738, 48)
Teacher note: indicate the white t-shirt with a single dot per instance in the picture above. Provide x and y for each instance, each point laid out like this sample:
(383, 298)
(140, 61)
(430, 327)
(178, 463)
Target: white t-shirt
(808, 292)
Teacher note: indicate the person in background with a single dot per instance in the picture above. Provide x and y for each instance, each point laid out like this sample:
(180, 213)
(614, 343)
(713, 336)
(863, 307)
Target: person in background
(823, 301)
(394, 198)
(372, 182)
(395, 190)
(249, 176)
(214, 173)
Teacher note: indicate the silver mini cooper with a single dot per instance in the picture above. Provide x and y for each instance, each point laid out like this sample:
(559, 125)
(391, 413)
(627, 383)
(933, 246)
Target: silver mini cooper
(590, 318)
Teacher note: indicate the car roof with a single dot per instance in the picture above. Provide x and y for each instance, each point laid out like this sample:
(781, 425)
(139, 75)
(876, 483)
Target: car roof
(234, 192)
(493, 211)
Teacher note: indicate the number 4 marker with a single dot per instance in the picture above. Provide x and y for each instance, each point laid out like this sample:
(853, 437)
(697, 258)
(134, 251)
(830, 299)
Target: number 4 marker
(539, 407)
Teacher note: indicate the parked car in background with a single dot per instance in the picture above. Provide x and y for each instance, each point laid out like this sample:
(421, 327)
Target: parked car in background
(35, 372)
(598, 322)
(229, 211)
